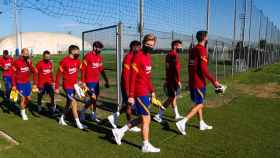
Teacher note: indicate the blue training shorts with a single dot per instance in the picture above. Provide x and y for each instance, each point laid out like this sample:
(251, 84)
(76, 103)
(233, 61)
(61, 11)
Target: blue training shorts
(24, 89)
(142, 105)
(69, 94)
(198, 95)
(93, 87)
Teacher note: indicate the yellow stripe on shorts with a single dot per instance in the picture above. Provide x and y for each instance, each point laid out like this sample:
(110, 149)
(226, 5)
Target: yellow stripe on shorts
(143, 105)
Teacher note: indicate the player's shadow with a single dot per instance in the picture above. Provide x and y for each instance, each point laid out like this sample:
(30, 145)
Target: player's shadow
(166, 127)
(107, 105)
(45, 112)
(167, 118)
(2, 94)
(193, 126)
(97, 127)
(110, 138)
(8, 107)
(104, 103)
(33, 109)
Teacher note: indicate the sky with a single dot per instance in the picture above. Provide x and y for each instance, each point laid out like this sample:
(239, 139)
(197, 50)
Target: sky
(271, 8)
(156, 19)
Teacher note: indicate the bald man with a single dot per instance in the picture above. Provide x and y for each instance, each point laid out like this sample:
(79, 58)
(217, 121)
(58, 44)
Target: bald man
(23, 69)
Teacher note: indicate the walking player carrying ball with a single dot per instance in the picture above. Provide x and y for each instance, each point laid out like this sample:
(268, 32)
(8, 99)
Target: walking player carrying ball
(69, 70)
(198, 73)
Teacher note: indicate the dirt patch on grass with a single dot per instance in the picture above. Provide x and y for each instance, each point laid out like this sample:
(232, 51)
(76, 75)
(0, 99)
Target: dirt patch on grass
(269, 90)
(219, 101)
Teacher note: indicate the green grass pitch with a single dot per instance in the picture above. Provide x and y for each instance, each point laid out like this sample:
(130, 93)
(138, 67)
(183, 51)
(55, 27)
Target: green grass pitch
(245, 124)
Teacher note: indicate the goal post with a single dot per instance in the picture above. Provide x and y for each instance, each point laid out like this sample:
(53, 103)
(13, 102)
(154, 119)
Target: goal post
(111, 37)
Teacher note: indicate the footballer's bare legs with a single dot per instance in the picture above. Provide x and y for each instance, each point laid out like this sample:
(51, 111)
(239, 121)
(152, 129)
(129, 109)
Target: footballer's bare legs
(23, 105)
(200, 114)
(175, 108)
(145, 127)
(74, 107)
(181, 125)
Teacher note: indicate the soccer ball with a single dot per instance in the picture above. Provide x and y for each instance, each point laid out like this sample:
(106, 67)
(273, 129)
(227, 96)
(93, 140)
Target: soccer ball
(221, 89)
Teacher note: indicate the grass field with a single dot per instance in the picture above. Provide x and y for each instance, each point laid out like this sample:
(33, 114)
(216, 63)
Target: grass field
(244, 119)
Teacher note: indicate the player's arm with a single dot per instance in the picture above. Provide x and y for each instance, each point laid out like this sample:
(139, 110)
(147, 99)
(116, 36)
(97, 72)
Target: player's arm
(105, 78)
(52, 76)
(126, 69)
(132, 76)
(58, 77)
(2, 64)
(204, 68)
(83, 71)
(166, 67)
(37, 69)
(102, 71)
(178, 68)
(151, 87)
(14, 69)
(35, 74)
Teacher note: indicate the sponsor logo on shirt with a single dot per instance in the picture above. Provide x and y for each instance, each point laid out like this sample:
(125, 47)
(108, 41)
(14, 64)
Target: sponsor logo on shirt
(46, 71)
(96, 65)
(8, 65)
(24, 69)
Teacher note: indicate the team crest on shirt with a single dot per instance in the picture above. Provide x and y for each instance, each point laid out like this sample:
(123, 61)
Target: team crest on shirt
(72, 70)
(24, 69)
(148, 69)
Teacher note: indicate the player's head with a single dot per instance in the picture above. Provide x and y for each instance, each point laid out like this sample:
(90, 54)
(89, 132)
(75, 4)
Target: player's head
(25, 53)
(177, 46)
(46, 55)
(202, 36)
(97, 46)
(5, 53)
(74, 51)
(149, 42)
(135, 46)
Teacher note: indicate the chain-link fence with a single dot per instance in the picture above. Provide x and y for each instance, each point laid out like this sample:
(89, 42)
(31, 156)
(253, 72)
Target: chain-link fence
(241, 36)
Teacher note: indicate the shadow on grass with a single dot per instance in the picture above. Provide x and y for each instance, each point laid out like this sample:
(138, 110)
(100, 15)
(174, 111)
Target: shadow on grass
(110, 138)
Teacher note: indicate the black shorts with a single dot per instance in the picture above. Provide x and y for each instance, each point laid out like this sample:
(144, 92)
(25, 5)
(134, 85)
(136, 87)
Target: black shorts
(172, 91)
(124, 96)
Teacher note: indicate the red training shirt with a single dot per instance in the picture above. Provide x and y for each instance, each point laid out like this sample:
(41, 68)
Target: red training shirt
(22, 71)
(127, 61)
(45, 73)
(140, 83)
(172, 69)
(69, 69)
(198, 68)
(92, 67)
(6, 64)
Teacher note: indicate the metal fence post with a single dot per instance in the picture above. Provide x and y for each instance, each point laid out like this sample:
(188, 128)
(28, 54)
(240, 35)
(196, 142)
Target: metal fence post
(141, 19)
(216, 59)
(249, 40)
(234, 39)
(223, 58)
(83, 44)
(119, 55)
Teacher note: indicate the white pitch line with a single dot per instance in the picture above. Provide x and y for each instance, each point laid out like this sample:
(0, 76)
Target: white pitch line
(8, 138)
